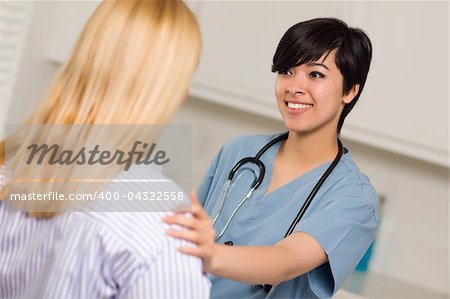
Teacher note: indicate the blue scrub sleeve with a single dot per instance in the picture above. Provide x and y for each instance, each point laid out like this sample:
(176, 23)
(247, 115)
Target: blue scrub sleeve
(205, 185)
(345, 227)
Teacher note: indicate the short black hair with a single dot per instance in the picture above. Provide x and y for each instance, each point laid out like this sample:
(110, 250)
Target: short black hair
(309, 40)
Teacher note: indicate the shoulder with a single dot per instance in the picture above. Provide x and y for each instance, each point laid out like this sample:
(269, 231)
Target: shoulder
(129, 245)
(237, 148)
(127, 240)
(251, 143)
(134, 225)
(141, 233)
(351, 186)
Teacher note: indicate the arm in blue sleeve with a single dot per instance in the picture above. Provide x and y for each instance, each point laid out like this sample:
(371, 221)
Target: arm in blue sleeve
(205, 185)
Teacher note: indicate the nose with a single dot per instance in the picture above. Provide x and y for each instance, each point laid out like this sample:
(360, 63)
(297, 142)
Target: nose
(297, 84)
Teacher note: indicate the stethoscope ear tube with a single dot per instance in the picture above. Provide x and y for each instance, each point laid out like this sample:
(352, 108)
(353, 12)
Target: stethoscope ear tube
(316, 188)
(301, 212)
(232, 214)
(257, 162)
(255, 184)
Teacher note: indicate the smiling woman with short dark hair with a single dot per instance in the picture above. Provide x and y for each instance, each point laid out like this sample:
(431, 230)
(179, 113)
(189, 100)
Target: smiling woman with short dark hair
(295, 208)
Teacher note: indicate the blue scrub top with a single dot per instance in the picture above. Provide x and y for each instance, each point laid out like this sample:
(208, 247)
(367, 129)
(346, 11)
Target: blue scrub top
(343, 217)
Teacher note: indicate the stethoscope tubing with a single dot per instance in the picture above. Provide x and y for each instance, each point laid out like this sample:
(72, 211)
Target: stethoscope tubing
(316, 188)
(257, 182)
(232, 213)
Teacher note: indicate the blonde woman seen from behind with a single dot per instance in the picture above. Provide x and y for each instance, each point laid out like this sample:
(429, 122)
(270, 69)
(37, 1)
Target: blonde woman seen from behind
(131, 65)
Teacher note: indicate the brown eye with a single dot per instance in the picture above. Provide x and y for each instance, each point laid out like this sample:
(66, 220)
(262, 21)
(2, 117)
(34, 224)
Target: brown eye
(316, 75)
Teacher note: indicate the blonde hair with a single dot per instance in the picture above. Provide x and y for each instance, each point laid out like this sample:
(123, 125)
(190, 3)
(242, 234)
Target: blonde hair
(131, 65)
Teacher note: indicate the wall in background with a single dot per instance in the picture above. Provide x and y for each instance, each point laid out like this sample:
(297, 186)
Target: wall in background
(35, 72)
(15, 19)
(238, 49)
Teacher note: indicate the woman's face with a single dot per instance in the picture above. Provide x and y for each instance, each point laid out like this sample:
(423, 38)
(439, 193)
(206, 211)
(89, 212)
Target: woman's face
(310, 96)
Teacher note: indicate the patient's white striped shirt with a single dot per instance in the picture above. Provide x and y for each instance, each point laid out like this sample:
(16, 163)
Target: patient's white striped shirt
(94, 255)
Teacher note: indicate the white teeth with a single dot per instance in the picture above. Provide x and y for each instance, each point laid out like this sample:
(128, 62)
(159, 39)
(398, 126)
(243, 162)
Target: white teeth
(298, 106)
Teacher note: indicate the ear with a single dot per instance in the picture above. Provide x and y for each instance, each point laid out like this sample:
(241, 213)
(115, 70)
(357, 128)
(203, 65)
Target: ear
(351, 94)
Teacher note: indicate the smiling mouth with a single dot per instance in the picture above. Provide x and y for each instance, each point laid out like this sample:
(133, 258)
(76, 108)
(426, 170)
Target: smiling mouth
(298, 105)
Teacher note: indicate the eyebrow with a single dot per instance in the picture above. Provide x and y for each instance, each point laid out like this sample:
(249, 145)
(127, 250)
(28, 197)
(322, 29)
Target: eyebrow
(317, 64)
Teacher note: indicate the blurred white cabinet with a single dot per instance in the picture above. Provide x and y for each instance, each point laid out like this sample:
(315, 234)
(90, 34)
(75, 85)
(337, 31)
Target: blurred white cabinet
(404, 107)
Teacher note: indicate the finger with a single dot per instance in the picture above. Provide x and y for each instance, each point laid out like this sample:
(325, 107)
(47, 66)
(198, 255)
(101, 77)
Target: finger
(194, 197)
(193, 209)
(190, 236)
(181, 220)
(198, 211)
(194, 251)
(182, 208)
(197, 208)
(187, 208)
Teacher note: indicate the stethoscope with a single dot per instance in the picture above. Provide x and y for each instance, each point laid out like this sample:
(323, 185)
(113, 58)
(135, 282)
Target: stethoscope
(258, 180)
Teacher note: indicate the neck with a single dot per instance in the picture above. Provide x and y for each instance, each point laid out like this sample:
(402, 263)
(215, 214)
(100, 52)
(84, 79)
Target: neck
(310, 149)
